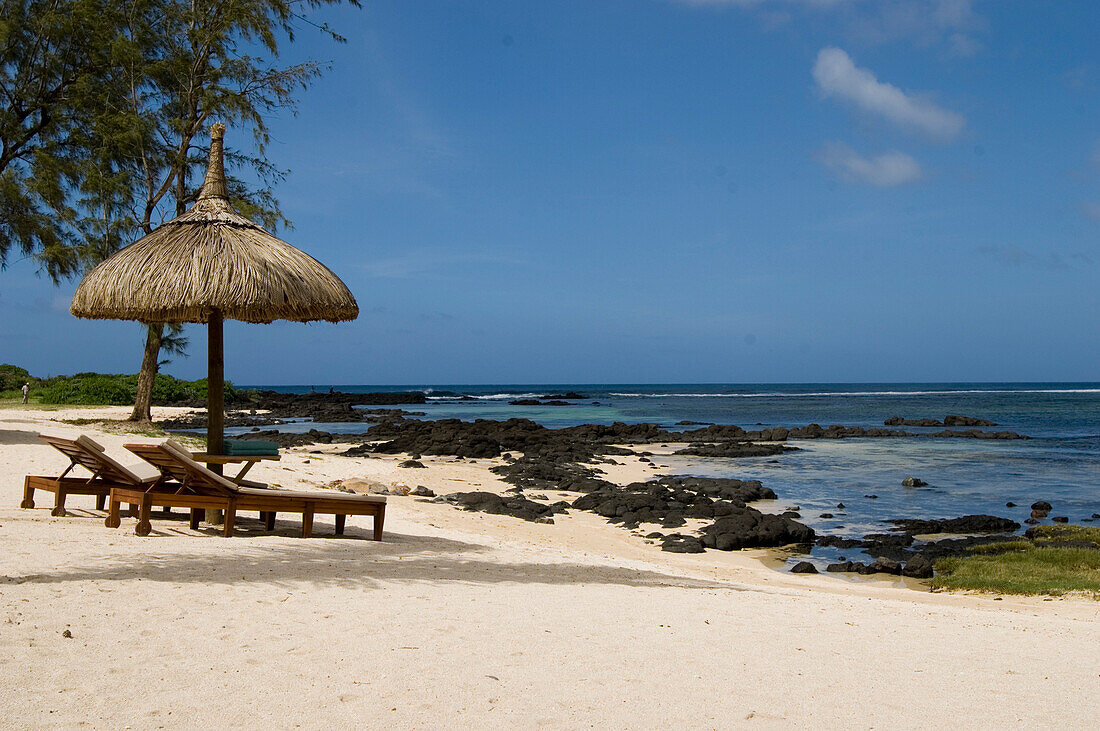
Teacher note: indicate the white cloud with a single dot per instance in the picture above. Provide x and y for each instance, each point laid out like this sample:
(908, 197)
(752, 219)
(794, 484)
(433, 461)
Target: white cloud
(887, 170)
(836, 75)
(924, 22)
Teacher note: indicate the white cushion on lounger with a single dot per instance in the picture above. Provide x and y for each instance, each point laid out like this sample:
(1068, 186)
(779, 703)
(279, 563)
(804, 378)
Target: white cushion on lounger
(141, 475)
(144, 471)
(88, 442)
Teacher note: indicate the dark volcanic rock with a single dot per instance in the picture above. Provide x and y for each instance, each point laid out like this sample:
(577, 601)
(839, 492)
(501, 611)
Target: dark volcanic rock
(550, 474)
(949, 420)
(803, 567)
(898, 421)
(956, 420)
(670, 501)
(412, 463)
(838, 542)
(880, 566)
(291, 439)
(976, 434)
(749, 528)
(1042, 505)
(883, 565)
(525, 402)
(887, 539)
(965, 524)
(913, 482)
(571, 396)
(735, 449)
(677, 543)
(918, 567)
(487, 502)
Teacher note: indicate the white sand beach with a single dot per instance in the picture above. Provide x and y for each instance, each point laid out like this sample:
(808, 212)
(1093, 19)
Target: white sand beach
(461, 619)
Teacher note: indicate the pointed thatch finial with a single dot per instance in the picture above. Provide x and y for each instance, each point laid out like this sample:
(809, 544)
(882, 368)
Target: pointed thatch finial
(214, 185)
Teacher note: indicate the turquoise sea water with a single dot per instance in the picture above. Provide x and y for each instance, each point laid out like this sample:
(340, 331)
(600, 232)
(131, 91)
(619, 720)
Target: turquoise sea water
(1060, 463)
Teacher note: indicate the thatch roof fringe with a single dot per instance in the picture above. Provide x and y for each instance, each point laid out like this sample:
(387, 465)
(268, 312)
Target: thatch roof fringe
(211, 257)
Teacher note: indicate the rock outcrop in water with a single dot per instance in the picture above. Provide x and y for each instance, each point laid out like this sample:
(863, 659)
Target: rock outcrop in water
(949, 420)
(736, 449)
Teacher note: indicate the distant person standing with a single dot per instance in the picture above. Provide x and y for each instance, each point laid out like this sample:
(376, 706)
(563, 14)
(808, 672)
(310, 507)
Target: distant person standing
(26, 391)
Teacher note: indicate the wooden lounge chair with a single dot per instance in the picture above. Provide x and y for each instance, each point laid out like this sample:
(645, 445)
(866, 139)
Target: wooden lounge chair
(106, 473)
(200, 489)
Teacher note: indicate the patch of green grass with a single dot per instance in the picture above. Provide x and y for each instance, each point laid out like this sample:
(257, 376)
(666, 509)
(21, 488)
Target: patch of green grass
(1031, 569)
(1002, 546)
(1083, 536)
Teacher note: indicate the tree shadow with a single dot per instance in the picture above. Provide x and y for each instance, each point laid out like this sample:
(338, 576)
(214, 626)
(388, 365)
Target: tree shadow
(352, 561)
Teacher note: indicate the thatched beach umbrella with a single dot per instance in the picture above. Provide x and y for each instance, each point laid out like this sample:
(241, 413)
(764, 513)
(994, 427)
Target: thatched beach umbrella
(208, 264)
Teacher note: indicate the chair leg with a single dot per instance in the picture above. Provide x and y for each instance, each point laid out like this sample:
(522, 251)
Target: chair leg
(196, 516)
(307, 521)
(379, 519)
(340, 520)
(269, 521)
(28, 496)
(132, 510)
(100, 499)
(113, 519)
(230, 518)
(59, 503)
(144, 527)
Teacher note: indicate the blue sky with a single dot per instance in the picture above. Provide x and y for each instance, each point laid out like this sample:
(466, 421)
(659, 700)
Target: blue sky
(674, 191)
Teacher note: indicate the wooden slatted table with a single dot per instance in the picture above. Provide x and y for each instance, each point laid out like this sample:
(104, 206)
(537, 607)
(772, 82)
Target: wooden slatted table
(247, 459)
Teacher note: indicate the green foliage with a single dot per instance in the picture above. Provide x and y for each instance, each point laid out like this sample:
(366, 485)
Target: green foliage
(1052, 560)
(12, 378)
(119, 389)
(48, 59)
(101, 102)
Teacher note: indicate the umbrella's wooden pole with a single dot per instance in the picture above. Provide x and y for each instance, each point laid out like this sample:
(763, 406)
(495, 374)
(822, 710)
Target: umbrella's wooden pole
(215, 398)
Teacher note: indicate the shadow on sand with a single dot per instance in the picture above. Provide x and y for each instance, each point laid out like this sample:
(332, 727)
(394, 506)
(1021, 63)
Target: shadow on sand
(19, 436)
(352, 560)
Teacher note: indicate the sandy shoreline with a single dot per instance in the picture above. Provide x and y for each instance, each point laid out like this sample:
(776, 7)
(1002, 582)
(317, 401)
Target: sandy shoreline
(460, 618)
